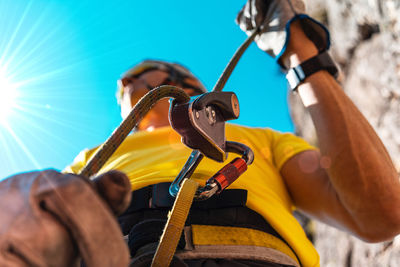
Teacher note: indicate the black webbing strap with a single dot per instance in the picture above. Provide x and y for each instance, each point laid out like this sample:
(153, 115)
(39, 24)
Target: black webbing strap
(298, 74)
(146, 226)
(145, 218)
(157, 196)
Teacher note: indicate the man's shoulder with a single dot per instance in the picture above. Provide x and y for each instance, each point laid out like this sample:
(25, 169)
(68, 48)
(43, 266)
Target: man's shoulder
(249, 129)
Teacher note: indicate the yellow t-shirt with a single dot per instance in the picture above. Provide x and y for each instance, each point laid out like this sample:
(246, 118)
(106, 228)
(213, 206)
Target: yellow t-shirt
(154, 157)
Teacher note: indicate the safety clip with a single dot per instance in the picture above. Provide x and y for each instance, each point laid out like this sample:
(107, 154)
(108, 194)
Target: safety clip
(201, 122)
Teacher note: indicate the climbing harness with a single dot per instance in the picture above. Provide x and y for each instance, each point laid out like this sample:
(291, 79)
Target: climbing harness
(200, 121)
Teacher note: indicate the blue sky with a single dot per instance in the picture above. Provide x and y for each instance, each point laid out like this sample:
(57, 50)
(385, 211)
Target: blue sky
(62, 59)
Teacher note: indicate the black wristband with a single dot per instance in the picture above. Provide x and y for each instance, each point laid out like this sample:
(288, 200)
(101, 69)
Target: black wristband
(298, 74)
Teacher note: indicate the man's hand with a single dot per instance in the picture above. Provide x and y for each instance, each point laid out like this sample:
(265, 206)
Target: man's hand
(274, 18)
(49, 219)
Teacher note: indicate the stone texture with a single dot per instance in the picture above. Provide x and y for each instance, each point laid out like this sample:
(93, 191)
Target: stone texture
(340, 249)
(373, 83)
(365, 42)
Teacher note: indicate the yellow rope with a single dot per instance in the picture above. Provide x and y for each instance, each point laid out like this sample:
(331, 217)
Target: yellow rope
(141, 108)
(176, 221)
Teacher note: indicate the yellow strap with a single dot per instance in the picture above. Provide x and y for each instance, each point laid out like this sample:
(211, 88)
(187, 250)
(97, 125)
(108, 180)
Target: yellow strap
(176, 221)
(227, 235)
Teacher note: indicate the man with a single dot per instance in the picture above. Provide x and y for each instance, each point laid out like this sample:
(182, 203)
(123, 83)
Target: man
(356, 189)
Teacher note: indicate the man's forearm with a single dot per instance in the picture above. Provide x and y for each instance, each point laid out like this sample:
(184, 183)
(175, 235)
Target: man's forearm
(361, 171)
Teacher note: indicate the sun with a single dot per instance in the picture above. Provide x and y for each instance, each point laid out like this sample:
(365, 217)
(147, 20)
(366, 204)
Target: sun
(8, 95)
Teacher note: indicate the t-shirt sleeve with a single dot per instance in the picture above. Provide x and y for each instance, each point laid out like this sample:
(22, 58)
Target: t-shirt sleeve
(78, 163)
(286, 145)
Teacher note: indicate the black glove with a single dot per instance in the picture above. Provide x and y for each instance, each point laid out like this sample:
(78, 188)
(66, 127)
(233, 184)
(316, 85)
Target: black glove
(49, 219)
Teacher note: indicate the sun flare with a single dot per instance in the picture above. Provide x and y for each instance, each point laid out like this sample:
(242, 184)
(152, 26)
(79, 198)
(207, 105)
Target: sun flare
(8, 95)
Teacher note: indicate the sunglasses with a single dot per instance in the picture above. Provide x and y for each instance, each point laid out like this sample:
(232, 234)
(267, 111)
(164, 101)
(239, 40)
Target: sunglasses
(176, 75)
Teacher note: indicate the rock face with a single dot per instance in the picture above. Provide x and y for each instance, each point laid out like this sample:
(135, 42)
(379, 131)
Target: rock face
(365, 38)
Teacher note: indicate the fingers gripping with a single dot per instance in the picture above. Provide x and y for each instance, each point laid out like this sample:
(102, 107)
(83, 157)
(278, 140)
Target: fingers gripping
(46, 217)
(74, 202)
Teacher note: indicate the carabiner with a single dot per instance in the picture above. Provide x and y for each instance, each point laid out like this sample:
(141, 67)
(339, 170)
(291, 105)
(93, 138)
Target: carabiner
(186, 172)
(222, 179)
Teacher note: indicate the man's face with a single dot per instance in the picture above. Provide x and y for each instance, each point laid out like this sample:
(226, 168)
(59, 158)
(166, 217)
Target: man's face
(135, 88)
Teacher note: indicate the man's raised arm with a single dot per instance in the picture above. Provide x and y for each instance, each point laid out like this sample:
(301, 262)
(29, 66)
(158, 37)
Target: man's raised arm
(358, 189)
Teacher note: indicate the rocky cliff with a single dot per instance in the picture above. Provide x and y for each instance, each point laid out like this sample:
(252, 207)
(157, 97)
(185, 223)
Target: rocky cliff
(365, 43)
